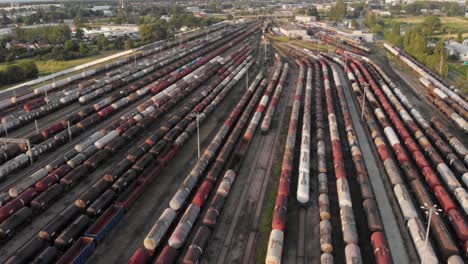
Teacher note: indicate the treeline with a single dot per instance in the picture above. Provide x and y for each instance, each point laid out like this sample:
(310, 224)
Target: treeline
(415, 43)
(53, 14)
(62, 46)
(152, 28)
(307, 11)
(451, 8)
(13, 53)
(19, 72)
(374, 22)
(340, 11)
(48, 34)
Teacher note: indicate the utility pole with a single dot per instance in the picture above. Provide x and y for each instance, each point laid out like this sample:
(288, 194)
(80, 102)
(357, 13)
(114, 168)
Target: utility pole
(440, 63)
(366, 87)
(47, 98)
(45, 90)
(198, 136)
(196, 115)
(246, 80)
(5, 128)
(429, 210)
(69, 131)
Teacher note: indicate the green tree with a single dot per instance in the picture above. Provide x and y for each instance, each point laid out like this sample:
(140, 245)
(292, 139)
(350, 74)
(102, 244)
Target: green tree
(460, 37)
(70, 45)
(152, 32)
(84, 49)
(229, 16)
(354, 24)
(10, 57)
(19, 19)
(128, 44)
(338, 11)
(79, 34)
(59, 34)
(312, 11)
(13, 74)
(370, 18)
(102, 42)
(118, 43)
(431, 24)
(396, 29)
(441, 58)
(29, 20)
(29, 69)
(78, 20)
(393, 35)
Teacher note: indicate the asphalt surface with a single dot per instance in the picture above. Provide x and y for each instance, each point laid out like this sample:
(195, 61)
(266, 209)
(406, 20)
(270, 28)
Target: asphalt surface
(236, 238)
(387, 205)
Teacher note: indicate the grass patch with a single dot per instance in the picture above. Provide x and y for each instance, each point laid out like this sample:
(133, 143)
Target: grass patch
(461, 76)
(51, 66)
(82, 61)
(451, 24)
(446, 36)
(264, 228)
(301, 43)
(458, 21)
(459, 68)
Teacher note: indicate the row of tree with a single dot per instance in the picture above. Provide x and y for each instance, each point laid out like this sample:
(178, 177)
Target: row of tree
(450, 8)
(49, 34)
(19, 72)
(338, 11)
(374, 22)
(76, 11)
(414, 42)
(154, 28)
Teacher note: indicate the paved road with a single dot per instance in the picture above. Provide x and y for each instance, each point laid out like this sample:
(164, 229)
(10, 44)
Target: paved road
(392, 229)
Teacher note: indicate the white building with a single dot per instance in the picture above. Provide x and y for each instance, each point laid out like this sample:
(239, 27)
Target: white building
(106, 10)
(458, 49)
(305, 19)
(382, 13)
(292, 31)
(165, 17)
(193, 9)
(110, 31)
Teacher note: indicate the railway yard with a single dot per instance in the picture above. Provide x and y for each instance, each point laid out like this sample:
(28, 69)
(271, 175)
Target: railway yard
(225, 146)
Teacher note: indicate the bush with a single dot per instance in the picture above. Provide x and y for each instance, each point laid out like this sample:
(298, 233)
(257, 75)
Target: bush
(29, 69)
(18, 73)
(453, 57)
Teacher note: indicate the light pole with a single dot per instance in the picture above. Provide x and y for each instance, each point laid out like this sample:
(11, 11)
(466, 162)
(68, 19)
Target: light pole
(366, 87)
(246, 80)
(429, 210)
(45, 90)
(196, 115)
